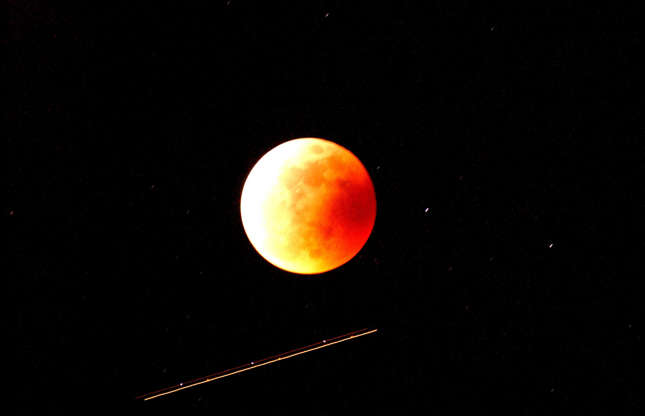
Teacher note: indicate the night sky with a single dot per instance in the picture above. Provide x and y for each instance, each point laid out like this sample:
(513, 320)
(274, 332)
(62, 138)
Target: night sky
(505, 146)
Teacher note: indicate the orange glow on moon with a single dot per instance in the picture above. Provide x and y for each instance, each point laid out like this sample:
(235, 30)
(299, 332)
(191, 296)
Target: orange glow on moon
(308, 206)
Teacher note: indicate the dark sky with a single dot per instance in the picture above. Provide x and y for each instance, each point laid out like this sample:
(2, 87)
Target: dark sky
(504, 145)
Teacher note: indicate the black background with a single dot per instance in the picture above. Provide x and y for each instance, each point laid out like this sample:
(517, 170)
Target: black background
(504, 143)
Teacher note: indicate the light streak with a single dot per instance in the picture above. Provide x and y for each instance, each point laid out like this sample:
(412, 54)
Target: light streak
(255, 364)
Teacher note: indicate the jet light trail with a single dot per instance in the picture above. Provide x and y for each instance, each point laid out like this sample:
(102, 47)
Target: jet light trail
(255, 364)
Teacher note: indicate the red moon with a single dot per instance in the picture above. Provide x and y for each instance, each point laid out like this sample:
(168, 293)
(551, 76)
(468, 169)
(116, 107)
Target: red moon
(308, 206)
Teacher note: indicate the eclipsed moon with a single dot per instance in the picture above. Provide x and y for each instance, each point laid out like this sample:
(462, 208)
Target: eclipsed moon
(308, 206)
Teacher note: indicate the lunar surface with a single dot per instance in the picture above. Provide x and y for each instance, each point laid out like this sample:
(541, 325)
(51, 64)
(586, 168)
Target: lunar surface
(308, 206)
